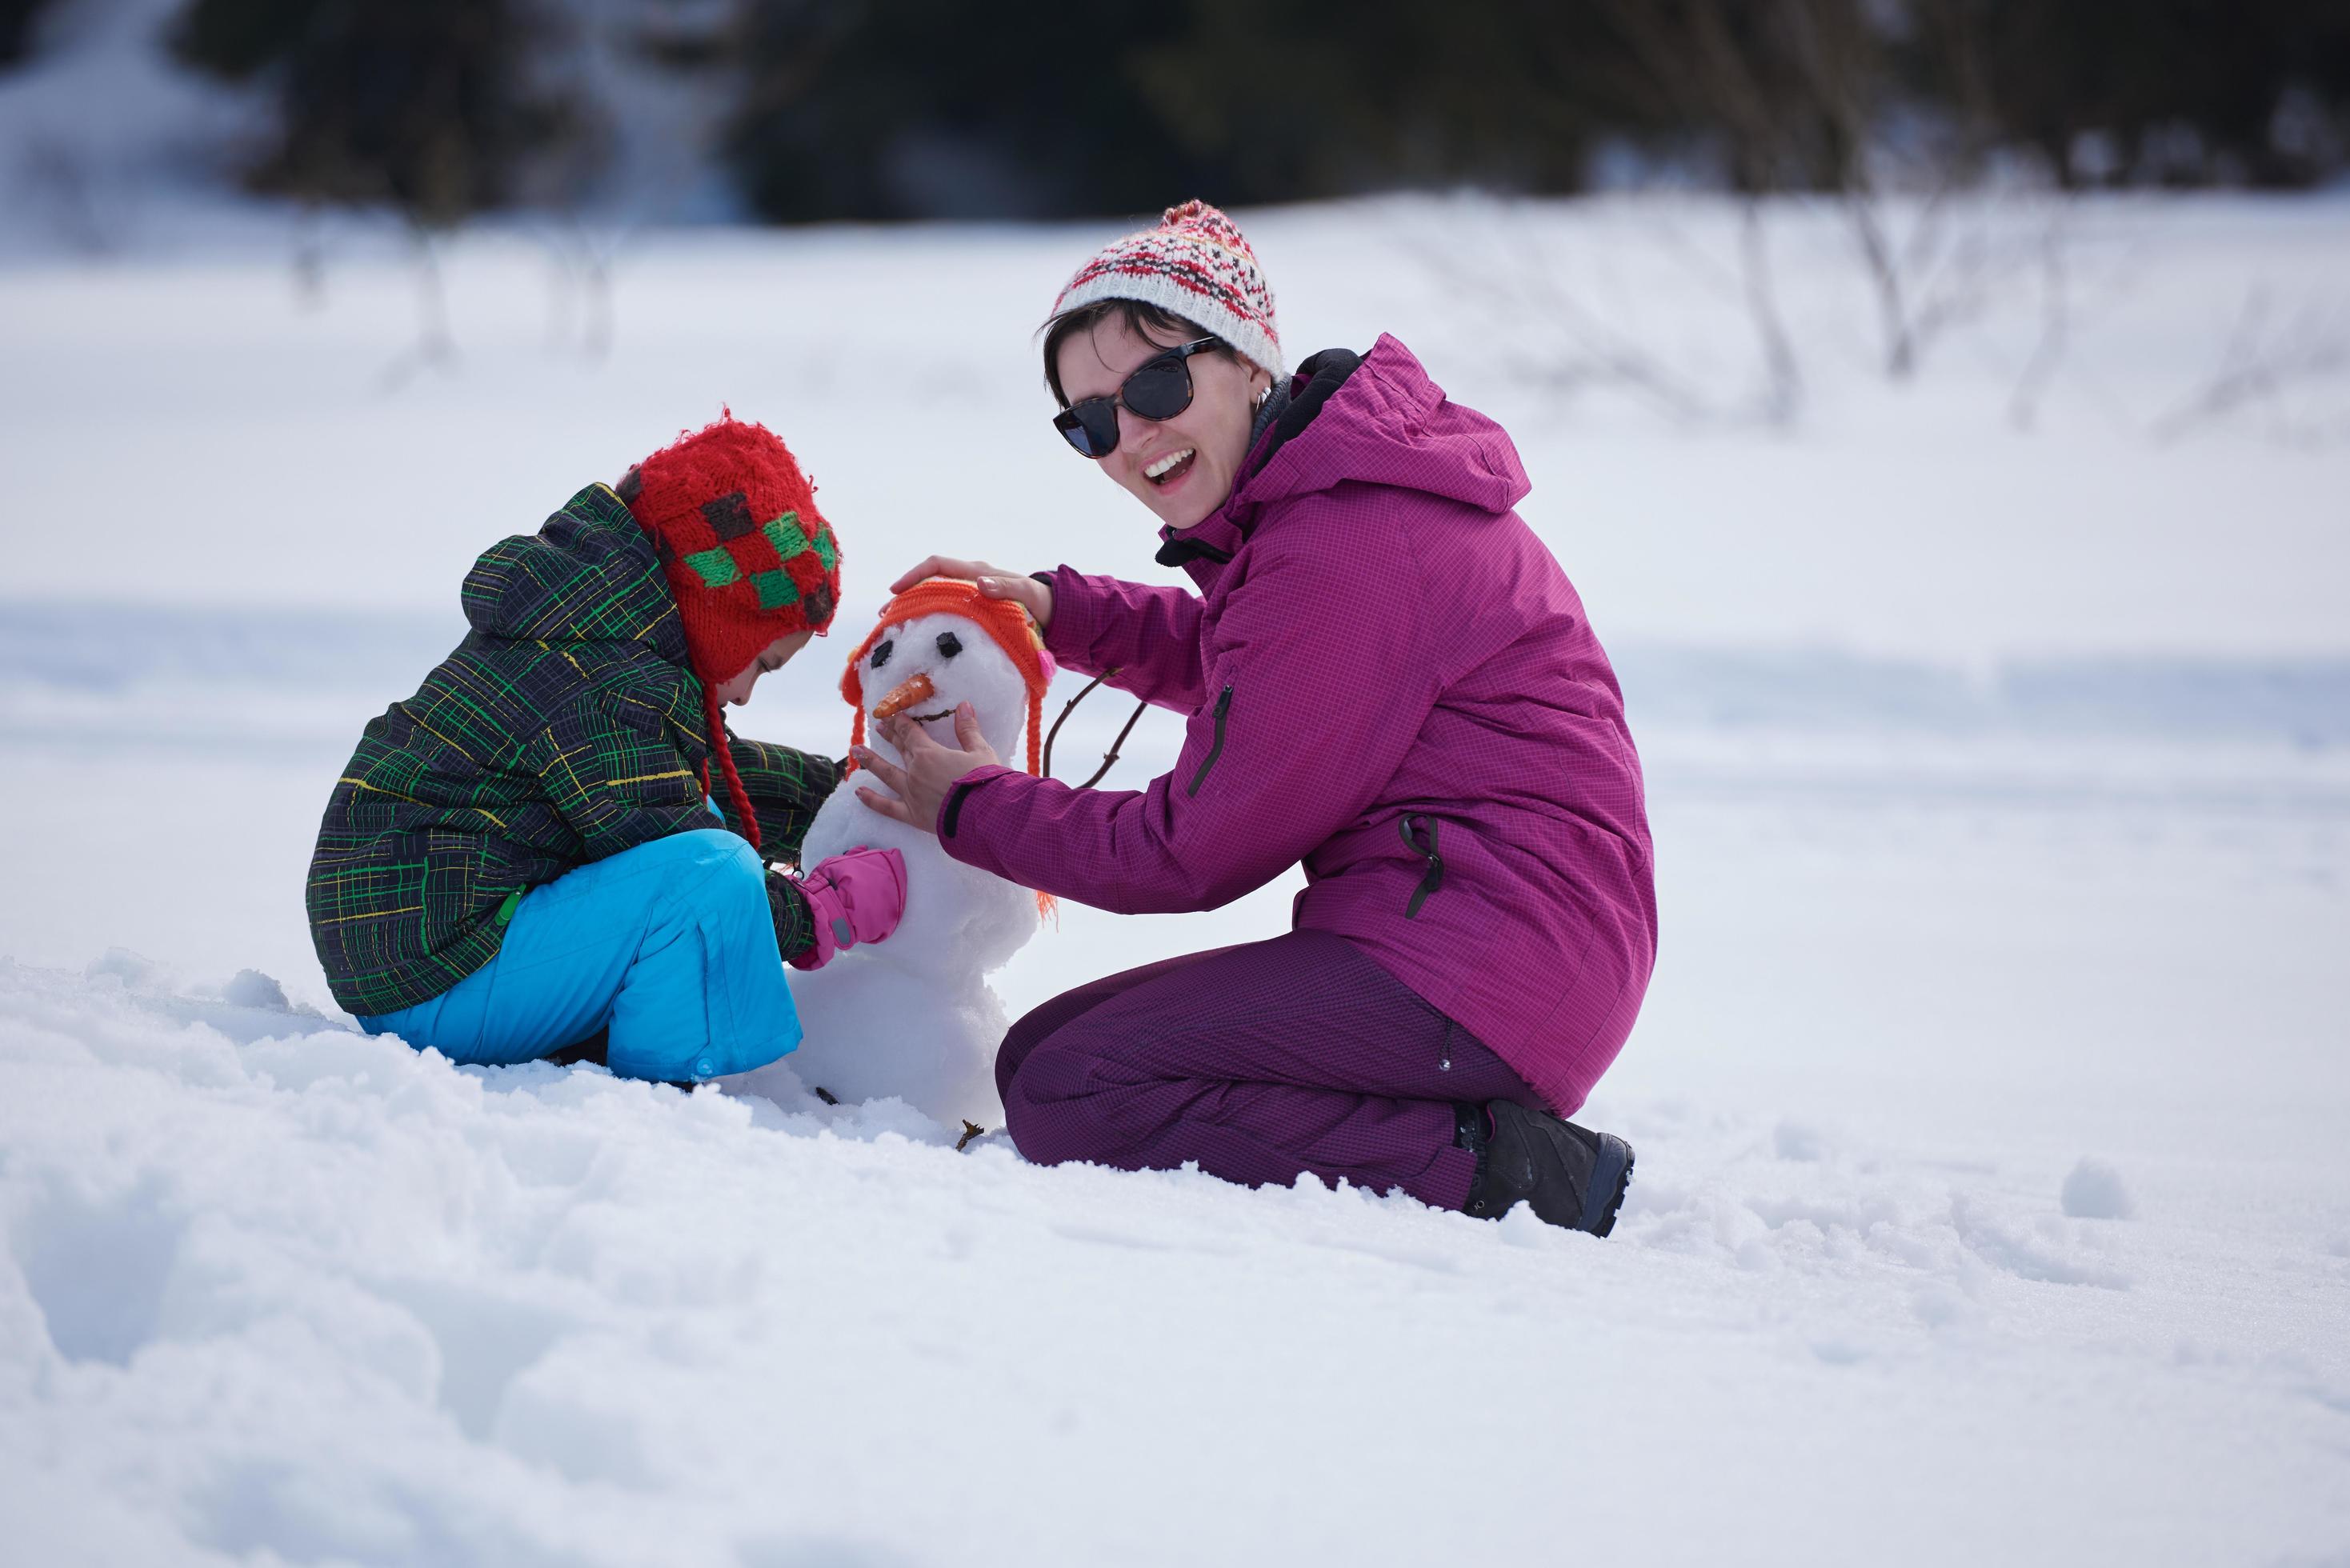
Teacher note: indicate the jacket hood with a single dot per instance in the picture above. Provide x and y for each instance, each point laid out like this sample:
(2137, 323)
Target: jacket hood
(589, 575)
(1380, 420)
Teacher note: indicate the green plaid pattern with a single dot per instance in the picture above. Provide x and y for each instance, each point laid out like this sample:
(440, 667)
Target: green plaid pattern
(567, 727)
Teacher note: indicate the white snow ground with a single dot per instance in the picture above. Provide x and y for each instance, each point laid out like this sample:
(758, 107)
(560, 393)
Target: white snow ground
(2002, 791)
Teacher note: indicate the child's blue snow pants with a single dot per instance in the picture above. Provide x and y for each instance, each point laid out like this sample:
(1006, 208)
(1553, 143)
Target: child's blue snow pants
(669, 945)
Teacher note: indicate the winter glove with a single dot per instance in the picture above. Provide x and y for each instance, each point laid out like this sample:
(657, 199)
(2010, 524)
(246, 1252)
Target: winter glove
(855, 896)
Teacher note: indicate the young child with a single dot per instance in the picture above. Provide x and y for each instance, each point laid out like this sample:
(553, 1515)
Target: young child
(556, 839)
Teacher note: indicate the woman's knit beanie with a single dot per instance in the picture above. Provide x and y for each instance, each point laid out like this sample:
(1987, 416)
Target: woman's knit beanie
(748, 556)
(1195, 264)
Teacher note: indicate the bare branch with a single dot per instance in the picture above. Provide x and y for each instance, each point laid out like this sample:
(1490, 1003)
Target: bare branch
(2055, 330)
(2256, 369)
(435, 347)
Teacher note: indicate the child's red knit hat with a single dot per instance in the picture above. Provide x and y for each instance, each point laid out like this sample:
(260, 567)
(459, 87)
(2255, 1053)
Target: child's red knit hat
(748, 556)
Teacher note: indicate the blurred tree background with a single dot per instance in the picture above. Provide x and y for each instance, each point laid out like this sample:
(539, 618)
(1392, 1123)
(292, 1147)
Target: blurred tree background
(880, 109)
(423, 103)
(16, 18)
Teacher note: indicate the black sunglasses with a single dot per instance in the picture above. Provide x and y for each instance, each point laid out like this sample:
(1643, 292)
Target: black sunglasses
(1159, 389)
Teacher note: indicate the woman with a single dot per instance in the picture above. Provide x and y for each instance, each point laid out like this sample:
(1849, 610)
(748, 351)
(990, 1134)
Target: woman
(1388, 678)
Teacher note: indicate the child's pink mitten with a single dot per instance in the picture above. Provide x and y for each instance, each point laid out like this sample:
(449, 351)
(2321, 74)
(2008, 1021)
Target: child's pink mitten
(858, 896)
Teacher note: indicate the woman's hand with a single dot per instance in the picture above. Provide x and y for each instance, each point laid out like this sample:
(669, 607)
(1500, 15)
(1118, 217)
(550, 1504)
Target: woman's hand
(931, 768)
(994, 583)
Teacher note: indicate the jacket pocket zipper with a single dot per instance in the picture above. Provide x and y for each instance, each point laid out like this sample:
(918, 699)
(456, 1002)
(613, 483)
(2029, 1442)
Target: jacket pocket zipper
(1223, 707)
(1435, 878)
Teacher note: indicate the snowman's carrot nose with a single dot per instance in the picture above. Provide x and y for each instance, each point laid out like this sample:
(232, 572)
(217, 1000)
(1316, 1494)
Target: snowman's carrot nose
(904, 696)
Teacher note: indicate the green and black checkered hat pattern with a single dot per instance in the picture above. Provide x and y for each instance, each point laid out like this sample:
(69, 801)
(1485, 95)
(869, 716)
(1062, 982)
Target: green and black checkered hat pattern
(567, 727)
(748, 556)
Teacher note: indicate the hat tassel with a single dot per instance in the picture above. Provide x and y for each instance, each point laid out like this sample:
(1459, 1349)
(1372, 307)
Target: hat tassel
(746, 819)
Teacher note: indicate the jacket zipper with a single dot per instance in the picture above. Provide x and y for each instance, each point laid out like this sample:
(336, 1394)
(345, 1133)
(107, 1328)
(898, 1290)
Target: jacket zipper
(1223, 707)
(1435, 878)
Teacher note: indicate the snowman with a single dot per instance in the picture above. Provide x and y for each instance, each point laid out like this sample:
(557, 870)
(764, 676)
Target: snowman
(913, 1016)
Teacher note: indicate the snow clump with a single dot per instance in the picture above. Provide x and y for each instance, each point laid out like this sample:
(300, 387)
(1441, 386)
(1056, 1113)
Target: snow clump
(2094, 1192)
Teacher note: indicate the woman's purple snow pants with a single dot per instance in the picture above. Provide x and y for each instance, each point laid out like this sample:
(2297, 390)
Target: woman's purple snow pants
(1259, 1062)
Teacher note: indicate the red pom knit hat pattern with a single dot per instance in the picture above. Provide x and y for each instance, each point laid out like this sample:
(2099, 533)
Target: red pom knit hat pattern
(1196, 264)
(748, 556)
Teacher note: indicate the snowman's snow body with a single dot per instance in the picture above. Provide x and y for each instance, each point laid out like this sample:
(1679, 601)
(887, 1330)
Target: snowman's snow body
(913, 1016)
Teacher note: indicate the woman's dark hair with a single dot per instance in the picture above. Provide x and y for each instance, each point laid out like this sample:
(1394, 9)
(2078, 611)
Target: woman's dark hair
(1140, 316)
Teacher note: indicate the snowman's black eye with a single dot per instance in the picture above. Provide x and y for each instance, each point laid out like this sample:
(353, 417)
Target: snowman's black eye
(948, 645)
(881, 653)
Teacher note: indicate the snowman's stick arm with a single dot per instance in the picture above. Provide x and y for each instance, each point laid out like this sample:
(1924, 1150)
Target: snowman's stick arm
(1067, 709)
(1109, 758)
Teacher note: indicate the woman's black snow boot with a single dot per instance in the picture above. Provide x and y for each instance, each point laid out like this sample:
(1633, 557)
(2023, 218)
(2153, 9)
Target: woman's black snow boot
(1568, 1175)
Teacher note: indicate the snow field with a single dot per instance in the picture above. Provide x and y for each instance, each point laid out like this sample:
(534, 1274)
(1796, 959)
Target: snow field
(1905, 523)
(271, 1284)
(1989, 1099)
(302, 1290)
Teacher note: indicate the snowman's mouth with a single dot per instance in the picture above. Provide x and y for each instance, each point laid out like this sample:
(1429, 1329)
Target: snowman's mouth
(931, 718)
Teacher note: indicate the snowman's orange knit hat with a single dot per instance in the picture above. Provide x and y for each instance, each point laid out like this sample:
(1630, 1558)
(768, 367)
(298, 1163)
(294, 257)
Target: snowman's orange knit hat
(1001, 619)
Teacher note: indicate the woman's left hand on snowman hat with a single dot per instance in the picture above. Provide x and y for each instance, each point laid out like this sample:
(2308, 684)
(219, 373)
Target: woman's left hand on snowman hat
(931, 768)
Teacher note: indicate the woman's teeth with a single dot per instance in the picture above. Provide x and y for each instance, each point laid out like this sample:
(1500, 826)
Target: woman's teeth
(1159, 471)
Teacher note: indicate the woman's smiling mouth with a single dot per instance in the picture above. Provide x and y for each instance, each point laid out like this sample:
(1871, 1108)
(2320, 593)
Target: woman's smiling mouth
(1171, 468)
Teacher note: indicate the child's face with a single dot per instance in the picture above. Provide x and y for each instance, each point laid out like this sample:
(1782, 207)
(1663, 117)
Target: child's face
(737, 691)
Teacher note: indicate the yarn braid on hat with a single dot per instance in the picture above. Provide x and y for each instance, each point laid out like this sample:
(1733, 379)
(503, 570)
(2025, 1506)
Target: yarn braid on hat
(1003, 621)
(747, 556)
(1196, 264)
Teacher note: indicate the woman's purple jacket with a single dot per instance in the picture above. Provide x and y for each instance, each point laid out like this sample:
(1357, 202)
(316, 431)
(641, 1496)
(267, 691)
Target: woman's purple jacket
(1389, 679)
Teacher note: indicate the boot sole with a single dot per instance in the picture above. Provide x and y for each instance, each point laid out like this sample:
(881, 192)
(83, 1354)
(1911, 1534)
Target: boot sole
(1611, 1177)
